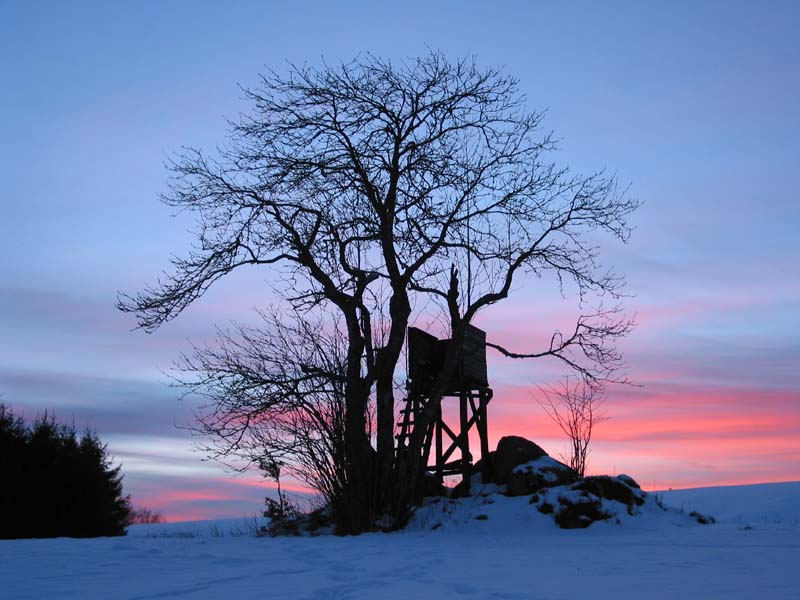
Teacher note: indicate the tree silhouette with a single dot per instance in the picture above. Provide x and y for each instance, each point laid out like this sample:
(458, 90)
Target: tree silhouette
(372, 187)
(576, 407)
(56, 483)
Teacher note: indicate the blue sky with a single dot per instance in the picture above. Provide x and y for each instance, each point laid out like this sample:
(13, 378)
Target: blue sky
(694, 104)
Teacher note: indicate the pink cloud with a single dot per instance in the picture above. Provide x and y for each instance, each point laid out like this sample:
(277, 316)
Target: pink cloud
(190, 498)
(674, 434)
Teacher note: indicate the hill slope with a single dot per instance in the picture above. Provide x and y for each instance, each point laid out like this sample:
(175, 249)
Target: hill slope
(512, 554)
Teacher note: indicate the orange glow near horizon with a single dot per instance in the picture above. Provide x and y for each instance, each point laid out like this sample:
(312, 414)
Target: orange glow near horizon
(187, 504)
(697, 439)
(673, 437)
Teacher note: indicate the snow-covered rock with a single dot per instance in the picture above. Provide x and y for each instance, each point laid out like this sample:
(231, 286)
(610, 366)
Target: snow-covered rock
(512, 451)
(612, 488)
(538, 473)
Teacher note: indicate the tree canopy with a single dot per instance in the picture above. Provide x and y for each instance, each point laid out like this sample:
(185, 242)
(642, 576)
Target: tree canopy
(373, 187)
(56, 483)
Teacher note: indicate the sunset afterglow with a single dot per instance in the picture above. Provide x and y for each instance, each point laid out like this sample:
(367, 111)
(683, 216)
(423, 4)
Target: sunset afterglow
(705, 133)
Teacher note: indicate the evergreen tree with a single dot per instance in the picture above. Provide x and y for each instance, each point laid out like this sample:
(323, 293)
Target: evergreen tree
(56, 483)
(13, 457)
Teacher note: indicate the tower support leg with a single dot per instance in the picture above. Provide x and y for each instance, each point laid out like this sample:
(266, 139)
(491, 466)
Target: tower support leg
(466, 457)
(439, 450)
(487, 467)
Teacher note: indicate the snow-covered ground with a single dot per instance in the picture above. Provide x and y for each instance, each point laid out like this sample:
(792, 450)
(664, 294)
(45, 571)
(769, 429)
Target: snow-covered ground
(510, 551)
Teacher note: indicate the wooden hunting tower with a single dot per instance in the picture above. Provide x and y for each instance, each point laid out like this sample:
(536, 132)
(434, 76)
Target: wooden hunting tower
(469, 383)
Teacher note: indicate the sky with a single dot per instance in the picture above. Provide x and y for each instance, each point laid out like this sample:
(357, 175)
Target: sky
(694, 105)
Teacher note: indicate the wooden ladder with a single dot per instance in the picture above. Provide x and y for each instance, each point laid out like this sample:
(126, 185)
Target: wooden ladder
(414, 405)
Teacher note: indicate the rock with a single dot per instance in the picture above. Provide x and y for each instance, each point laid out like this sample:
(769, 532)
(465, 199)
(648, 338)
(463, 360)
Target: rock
(511, 452)
(542, 472)
(629, 481)
(477, 468)
(611, 488)
(579, 515)
(701, 518)
(546, 508)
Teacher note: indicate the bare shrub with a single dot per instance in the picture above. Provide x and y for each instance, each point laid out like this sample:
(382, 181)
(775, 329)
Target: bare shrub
(144, 516)
(274, 399)
(576, 407)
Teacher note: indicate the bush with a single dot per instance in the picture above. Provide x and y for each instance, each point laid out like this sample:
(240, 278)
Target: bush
(55, 483)
(283, 517)
(145, 516)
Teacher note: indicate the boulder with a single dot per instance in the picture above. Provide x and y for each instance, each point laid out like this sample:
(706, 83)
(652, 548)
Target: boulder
(511, 452)
(611, 488)
(629, 481)
(542, 472)
(477, 468)
(701, 518)
(580, 514)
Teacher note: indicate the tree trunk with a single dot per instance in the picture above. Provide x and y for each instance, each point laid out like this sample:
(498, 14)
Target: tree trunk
(399, 310)
(355, 512)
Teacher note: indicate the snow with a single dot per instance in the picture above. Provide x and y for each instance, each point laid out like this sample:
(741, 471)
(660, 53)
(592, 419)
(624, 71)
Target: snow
(241, 527)
(515, 552)
(760, 503)
(544, 465)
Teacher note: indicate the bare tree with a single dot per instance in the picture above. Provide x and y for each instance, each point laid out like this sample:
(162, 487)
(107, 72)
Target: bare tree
(371, 186)
(273, 397)
(145, 516)
(576, 407)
